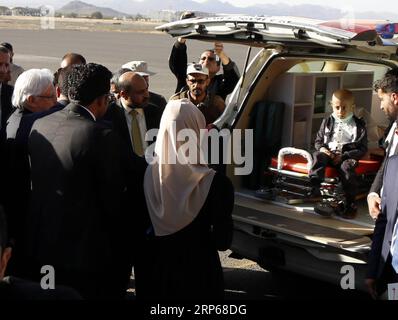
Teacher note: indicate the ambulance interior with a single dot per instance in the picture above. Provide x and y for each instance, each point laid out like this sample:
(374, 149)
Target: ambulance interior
(291, 97)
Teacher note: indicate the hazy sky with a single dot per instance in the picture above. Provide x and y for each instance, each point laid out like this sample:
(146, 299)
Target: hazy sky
(357, 5)
(346, 5)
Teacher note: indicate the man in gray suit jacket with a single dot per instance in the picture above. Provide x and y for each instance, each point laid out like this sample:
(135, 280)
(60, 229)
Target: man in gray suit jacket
(380, 270)
(387, 90)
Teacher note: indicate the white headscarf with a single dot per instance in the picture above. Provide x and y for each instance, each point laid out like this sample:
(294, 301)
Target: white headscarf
(175, 193)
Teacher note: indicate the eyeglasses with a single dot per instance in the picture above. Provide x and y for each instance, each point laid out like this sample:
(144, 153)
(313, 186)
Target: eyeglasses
(198, 81)
(208, 58)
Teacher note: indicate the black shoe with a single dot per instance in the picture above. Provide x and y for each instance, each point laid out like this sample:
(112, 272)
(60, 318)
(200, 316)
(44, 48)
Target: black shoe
(316, 192)
(315, 181)
(350, 212)
(324, 209)
(267, 194)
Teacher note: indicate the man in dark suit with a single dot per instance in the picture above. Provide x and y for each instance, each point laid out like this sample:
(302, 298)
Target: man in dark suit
(133, 109)
(387, 90)
(5, 92)
(77, 223)
(5, 111)
(34, 95)
(381, 269)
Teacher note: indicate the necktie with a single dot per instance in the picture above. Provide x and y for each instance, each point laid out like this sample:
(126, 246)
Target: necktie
(136, 134)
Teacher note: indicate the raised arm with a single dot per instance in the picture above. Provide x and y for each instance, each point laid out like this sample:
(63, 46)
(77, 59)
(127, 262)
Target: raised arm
(178, 62)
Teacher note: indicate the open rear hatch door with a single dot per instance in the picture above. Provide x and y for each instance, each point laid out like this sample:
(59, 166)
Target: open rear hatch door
(289, 32)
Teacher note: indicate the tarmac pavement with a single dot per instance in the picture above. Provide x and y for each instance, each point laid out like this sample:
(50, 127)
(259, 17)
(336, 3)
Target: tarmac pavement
(45, 48)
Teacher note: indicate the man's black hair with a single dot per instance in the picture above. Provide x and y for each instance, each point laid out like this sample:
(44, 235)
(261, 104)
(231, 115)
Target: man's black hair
(87, 82)
(5, 50)
(389, 83)
(116, 75)
(8, 46)
(392, 72)
(3, 231)
(61, 79)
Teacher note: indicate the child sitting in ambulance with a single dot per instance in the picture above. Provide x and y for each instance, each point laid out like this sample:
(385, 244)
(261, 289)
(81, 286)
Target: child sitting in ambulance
(340, 142)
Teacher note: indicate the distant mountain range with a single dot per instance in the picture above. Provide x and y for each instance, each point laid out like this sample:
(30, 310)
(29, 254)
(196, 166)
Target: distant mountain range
(129, 7)
(82, 8)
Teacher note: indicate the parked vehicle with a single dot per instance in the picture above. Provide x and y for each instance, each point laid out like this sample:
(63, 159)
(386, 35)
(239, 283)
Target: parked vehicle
(283, 96)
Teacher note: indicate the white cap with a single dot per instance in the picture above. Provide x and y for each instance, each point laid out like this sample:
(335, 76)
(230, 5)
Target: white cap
(140, 67)
(197, 68)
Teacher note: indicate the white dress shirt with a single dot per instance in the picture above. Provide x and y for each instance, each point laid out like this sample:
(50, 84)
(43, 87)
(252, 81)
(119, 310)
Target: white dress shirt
(343, 133)
(94, 118)
(392, 138)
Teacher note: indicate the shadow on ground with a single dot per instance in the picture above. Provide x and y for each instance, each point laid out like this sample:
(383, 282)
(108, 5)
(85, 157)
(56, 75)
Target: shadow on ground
(243, 284)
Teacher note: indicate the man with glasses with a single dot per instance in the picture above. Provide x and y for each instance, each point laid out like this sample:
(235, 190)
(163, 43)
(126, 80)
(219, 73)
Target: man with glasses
(220, 84)
(34, 94)
(198, 80)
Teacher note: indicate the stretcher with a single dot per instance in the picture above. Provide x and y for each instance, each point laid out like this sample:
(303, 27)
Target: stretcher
(291, 183)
